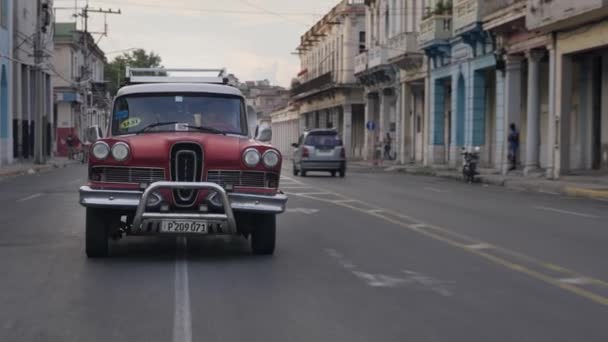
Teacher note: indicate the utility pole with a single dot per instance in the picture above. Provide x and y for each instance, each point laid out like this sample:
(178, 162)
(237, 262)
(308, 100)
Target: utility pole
(86, 69)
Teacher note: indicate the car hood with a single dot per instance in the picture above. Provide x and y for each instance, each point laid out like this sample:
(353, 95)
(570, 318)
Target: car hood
(155, 148)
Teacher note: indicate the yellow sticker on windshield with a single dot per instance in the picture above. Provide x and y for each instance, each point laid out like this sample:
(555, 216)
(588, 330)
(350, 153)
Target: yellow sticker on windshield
(130, 123)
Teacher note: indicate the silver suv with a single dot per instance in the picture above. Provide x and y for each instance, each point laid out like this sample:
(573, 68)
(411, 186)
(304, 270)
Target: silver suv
(319, 150)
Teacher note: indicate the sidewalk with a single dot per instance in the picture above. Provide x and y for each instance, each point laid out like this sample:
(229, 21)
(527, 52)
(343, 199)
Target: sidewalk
(19, 169)
(588, 185)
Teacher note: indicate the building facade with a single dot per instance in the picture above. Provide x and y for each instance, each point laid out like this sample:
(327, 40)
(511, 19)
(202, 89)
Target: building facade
(6, 105)
(26, 75)
(285, 124)
(81, 99)
(327, 93)
(392, 69)
(577, 124)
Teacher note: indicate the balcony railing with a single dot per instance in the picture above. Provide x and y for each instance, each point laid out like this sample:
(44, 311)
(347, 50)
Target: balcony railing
(556, 14)
(402, 45)
(314, 84)
(378, 55)
(435, 28)
(467, 13)
(361, 62)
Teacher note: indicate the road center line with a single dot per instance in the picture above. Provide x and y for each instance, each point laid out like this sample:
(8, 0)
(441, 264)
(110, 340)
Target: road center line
(436, 190)
(182, 319)
(29, 197)
(567, 212)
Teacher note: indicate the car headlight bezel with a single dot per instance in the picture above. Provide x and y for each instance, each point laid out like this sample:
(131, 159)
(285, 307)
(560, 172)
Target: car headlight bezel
(101, 150)
(272, 163)
(121, 147)
(252, 153)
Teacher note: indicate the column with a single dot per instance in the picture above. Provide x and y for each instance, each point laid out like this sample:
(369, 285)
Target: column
(426, 119)
(533, 120)
(383, 114)
(368, 143)
(512, 107)
(347, 119)
(551, 144)
(406, 124)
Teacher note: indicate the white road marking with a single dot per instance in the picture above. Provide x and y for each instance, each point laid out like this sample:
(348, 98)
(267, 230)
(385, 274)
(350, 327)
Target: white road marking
(182, 319)
(76, 181)
(29, 197)
(480, 246)
(575, 281)
(567, 212)
(303, 211)
(375, 211)
(436, 190)
(311, 193)
(549, 192)
(295, 187)
(345, 201)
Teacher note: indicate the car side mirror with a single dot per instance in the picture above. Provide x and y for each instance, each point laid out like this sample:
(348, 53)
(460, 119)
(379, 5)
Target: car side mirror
(295, 145)
(263, 133)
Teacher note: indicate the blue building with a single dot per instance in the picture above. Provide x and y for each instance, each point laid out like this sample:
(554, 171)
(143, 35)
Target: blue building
(6, 150)
(465, 91)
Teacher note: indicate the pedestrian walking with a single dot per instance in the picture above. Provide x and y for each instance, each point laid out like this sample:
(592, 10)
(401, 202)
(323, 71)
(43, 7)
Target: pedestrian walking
(513, 146)
(388, 146)
(70, 143)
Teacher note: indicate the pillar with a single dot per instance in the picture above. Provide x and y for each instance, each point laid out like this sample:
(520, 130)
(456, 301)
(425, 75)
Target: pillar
(368, 144)
(512, 107)
(551, 144)
(426, 160)
(533, 105)
(406, 154)
(347, 120)
(563, 106)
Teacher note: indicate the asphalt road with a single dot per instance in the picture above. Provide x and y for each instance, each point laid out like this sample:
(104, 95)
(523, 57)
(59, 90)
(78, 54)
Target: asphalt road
(372, 257)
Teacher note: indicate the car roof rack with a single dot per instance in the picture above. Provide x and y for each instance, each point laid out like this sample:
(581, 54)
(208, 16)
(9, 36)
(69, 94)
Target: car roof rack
(166, 75)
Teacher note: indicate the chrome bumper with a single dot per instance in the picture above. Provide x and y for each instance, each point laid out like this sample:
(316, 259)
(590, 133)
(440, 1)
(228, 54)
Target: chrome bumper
(140, 201)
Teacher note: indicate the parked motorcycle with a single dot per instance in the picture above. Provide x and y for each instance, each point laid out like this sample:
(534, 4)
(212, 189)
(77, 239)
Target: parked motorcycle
(469, 168)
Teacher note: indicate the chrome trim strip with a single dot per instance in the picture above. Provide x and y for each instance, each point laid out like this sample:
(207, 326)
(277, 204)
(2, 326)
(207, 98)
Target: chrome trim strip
(192, 194)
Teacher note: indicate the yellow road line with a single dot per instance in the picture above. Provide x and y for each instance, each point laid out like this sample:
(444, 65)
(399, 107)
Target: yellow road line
(418, 225)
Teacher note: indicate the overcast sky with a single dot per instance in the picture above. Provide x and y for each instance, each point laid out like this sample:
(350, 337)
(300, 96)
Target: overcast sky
(252, 38)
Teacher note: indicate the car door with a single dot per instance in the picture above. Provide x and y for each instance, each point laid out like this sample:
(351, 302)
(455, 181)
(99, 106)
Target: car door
(297, 154)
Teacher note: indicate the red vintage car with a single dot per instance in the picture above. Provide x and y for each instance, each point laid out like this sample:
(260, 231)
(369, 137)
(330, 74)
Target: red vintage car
(180, 159)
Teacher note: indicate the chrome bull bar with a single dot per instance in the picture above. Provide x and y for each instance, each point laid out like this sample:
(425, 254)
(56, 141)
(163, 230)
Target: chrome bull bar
(228, 217)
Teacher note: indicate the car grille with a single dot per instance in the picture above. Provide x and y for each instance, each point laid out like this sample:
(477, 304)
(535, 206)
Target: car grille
(186, 166)
(128, 174)
(249, 179)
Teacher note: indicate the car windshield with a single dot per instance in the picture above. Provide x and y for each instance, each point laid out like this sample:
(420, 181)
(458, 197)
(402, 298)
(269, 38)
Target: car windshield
(132, 114)
(325, 140)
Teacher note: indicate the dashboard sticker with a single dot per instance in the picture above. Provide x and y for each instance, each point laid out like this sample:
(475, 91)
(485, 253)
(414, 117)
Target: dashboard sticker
(130, 123)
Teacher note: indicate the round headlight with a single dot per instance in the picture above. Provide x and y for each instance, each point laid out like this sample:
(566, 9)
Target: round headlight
(120, 151)
(101, 150)
(271, 159)
(251, 157)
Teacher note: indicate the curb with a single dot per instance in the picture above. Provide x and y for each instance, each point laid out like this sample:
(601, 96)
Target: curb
(587, 193)
(34, 169)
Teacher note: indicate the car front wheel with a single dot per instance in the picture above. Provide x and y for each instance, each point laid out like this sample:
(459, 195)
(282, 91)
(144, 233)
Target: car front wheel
(263, 237)
(97, 233)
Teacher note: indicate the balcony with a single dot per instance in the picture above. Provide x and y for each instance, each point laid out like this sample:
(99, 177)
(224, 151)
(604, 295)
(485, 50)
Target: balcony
(562, 14)
(468, 14)
(437, 28)
(360, 63)
(403, 51)
(377, 56)
(316, 84)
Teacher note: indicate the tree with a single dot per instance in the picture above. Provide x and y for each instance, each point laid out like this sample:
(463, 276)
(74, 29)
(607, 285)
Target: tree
(116, 69)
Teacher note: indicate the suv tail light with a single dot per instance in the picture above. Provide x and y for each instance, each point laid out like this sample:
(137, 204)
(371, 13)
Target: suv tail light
(305, 152)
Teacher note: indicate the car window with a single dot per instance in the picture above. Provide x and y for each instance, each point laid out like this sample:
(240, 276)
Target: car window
(326, 140)
(133, 113)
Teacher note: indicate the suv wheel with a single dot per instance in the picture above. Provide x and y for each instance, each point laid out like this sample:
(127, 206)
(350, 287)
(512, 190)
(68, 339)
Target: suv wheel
(333, 173)
(263, 237)
(97, 233)
(342, 173)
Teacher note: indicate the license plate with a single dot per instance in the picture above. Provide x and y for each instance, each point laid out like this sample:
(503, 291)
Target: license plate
(184, 227)
(325, 153)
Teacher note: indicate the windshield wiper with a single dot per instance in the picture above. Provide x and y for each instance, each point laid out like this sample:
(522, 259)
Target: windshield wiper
(158, 124)
(206, 129)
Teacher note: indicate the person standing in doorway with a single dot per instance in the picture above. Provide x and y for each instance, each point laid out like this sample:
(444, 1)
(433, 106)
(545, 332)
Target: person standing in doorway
(388, 146)
(513, 146)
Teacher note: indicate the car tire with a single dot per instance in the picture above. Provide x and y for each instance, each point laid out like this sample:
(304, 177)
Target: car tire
(295, 170)
(333, 173)
(303, 172)
(263, 237)
(97, 233)
(342, 173)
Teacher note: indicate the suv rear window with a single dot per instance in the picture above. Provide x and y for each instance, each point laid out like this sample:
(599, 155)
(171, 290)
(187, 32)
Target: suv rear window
(329, 139)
